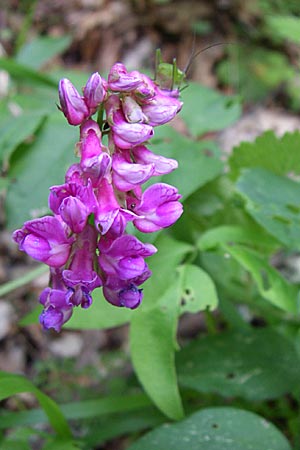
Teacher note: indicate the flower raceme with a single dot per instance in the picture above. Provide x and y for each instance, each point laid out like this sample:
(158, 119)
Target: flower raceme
(85, 243)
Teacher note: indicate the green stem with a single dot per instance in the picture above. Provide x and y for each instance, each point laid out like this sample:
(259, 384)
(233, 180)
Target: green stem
(25, 279)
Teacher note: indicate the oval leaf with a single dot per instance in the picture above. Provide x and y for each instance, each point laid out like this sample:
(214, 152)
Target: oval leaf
(216, 429)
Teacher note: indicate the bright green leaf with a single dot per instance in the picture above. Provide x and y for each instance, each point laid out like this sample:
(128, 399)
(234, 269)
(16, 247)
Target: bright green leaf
(278, 155)
(215, 429)
(235, 234)
(163, 265)
(101, 314)
(41, 49)
(198, 291)
(235, 364)
(284, 27)
(152, 344)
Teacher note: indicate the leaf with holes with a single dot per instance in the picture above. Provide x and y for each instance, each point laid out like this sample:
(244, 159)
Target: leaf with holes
(198, 291)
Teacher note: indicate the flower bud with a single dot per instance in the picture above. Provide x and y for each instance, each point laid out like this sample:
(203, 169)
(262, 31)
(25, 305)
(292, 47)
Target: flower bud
(94, 91)
(71, 103)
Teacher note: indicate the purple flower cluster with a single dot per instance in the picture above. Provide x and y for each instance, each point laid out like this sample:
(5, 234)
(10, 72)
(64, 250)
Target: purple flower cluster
(85, 242)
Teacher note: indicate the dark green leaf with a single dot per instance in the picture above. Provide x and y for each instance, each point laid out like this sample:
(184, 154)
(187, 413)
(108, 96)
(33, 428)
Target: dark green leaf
(240, 364)
(198, 162)
(36, 167)
(206, 110)
(25, 74)
(215, 429)
(273, 201)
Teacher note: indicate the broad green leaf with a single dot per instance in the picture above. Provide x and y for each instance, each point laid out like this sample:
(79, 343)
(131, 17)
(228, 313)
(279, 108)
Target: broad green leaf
(235, 234)
(25, 74)
(284, 27)
(271, 285)
(206, 110)
(11, 384)
(198, 162)
(41, 49)
(16, 130)
(100, 315)
(273, 202)
(37, 166)
(222, 428)
(163, 265)
(278, 155)
(152, 344)
(198, 291)
(235, 364)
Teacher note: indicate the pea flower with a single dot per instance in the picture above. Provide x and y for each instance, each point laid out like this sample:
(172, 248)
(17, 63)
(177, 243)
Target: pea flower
(86, 242)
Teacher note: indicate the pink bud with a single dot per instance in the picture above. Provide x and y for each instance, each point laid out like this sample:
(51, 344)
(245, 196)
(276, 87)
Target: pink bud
(94, 91)
(72, 104)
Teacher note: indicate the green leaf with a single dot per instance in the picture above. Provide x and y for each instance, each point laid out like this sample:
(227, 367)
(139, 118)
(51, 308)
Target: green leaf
(254, 71)
(36, 53)
(273, 202)
(101, 314)
(198, 291)
(206, 110)
(37, 166)
(278, 155)
(271, 285)
(284, 27)
(59, 444)
(25, 74)
(152, 344)
(14, 384)
(235, 234)
(235, 364)
(85, 409)
(164, 269)
(199, 162)
(216, 429)
(16, 130)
